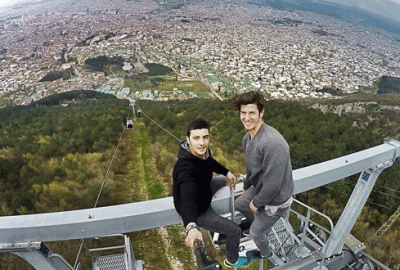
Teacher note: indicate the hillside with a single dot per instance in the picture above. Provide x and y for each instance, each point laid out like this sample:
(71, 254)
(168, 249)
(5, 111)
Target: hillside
(389, 84)
(380, 113)
(54, 157)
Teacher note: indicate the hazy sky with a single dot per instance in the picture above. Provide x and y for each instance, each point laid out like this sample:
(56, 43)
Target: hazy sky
(389, 8)
(4, 3)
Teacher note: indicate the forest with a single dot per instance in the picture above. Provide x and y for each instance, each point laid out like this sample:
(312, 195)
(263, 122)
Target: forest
(103, 63)
(54, 155)
(389, 84)
(55, 75)
(157, 69)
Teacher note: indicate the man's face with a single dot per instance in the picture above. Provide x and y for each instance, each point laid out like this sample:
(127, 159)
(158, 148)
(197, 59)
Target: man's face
(250, 116)
(198, 142)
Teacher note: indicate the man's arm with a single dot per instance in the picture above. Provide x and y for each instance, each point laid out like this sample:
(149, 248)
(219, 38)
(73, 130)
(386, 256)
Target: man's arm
(219, 168)
(188, 208)
(246, 184)
(188, 198)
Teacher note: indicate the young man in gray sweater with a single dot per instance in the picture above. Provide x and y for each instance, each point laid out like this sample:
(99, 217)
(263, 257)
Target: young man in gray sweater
(269, 182)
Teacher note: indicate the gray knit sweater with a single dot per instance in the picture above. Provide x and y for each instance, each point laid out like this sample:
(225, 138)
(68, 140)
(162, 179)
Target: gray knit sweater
(268, 166)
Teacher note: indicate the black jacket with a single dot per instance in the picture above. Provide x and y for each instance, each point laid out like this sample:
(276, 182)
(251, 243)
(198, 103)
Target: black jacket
(191, 183)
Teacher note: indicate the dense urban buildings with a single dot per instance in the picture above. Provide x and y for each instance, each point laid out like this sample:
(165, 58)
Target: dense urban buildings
(230, 45)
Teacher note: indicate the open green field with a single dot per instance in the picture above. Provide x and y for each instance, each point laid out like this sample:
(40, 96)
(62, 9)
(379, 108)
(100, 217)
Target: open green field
(142, 82)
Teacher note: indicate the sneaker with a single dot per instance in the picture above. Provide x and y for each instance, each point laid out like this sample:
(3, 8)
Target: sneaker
(246, 232)
(255, 255)
(269, 256)
(242, 262)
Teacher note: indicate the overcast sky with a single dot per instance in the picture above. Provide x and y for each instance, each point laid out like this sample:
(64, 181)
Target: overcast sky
(8, 2)
(389, 8)
(5, 3)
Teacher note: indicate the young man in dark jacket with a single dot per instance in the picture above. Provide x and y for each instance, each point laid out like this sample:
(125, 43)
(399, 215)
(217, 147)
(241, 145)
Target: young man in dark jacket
(194, 187)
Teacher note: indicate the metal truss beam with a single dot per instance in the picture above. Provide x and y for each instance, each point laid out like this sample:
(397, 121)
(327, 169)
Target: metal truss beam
(353, 209)
(41, 257)
(321, 174)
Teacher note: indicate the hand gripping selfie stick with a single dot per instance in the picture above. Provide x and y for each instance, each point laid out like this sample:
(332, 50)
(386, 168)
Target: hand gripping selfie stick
(202, 262)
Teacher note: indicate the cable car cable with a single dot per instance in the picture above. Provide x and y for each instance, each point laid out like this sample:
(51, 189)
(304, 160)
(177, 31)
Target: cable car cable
(100, 191)
(108, 170)
(382, 206)
(387, 194)
(161, 126)
(387, 188)
(356, 178)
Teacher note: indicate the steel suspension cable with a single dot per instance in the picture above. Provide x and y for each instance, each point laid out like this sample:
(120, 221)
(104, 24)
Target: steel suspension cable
(161, 126)
(100, 191)
(382, 206)
(108, 170)
(387, 188)
(376, 191)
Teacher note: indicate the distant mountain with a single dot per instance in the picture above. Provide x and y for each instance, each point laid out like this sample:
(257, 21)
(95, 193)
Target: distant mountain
(383, 8)
(16, 3)
(352, 14)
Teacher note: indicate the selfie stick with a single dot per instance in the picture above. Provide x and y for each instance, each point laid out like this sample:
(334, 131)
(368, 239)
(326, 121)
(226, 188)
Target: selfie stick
(233, 204)
(202, 262)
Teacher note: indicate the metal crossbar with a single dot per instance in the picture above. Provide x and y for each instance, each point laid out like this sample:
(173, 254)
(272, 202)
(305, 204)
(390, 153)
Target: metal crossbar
(389, 222)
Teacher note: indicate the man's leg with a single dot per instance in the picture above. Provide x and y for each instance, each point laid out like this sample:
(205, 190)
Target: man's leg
(242, 204)
(217, 183)
(213, 222)
(261, 227)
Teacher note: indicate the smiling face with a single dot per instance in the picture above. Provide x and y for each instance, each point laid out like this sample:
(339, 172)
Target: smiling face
(198, 142)
(251, 117)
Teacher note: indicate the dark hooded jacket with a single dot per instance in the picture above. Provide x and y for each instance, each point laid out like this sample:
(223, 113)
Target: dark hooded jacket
(191, 183)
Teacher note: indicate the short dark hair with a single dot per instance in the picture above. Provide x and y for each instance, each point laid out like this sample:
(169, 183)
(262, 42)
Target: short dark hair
(252, 97)
(196, 124)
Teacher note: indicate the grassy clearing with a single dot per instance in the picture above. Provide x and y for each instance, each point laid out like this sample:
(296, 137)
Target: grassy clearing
(167, 83)
(161, 248)
(147, 245)
(155, 189)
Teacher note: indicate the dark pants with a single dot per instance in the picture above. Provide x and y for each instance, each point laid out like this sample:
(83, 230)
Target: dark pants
(213, 222)
(261, 223)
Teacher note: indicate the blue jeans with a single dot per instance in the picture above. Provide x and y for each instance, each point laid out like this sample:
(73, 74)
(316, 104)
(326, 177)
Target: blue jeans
(261, 223)
(213, 222)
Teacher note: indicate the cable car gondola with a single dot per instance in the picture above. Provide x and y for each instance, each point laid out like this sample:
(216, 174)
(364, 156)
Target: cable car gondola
(129, 124)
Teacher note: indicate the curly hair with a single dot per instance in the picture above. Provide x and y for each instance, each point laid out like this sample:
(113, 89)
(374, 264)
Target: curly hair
(251, 97)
